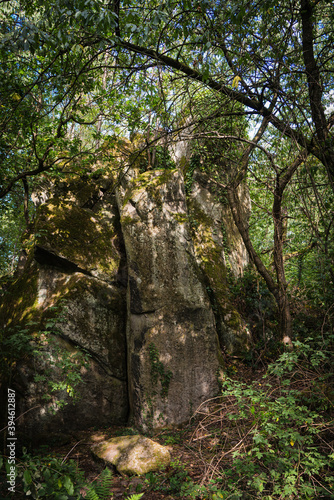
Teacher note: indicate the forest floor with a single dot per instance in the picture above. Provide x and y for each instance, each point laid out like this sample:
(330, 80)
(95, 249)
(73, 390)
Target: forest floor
(196, 451)
(204, 450)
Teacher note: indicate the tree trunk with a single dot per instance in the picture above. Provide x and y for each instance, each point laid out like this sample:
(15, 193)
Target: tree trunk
(26, 201)
(278, 289)
(285, 320)
(282, 297)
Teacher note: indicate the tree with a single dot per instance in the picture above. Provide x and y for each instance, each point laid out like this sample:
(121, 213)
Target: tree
(285, 80)
(73, 60)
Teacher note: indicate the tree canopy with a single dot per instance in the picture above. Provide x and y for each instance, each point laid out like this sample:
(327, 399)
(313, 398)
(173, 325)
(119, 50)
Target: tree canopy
(75, 75)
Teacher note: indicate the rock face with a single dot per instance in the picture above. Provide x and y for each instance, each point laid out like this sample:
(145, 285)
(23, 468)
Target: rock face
(173, 351)
(209, 219)
(120, 297)
(133, 454)
(71, 301)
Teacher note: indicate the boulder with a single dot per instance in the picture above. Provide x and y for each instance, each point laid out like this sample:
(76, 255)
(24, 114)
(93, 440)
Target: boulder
(132, 455)
(118, 297)
(224, 231)
(70, 301)
(208, 219)
(173, 351)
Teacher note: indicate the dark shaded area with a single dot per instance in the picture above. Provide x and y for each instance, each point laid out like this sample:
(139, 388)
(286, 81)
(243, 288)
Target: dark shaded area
(45, 257)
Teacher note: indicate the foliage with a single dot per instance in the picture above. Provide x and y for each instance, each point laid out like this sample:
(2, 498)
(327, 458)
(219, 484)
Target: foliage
(281, 423)
(12, 225)
(99, 489)
(14, 345)
(307, 228)
(49, 477)
(63, 372)
(61, 362)
(270, 440)
(251, 296)
(251, 83)
(172, 482)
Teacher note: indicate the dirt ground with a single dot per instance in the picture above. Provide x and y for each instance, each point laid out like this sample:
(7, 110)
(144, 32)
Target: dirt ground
(192, 451)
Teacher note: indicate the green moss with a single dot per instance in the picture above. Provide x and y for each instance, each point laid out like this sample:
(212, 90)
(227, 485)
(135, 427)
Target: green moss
(180, 218)
(78, 235)
(155, 195)
(150, 181)
(184, 164)
(126, 220)
(20, 303)
(230, 326)
(20, 320)
(199, 216)
(208, 251)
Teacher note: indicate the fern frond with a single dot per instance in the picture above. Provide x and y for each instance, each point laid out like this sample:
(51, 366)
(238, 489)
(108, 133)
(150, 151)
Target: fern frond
(91, 494)
(100, 488)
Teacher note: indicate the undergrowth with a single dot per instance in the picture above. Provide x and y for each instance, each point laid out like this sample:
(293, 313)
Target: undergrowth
(52, 477)
(272, 439)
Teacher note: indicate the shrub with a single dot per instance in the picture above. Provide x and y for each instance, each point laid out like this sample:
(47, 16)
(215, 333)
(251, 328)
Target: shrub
(280, 426)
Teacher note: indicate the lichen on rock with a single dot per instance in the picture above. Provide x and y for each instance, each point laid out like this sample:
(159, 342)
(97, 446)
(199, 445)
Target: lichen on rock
(63, 228)
(137, 281)
(69, 298)
(207, 216)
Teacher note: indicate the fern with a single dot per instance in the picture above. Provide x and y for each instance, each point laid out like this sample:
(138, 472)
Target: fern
(135, 497)
(100, 488)
(91, 494)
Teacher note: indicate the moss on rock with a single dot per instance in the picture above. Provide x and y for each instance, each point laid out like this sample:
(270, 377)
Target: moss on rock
(133, 454)
(19, 304)
(208, 244)
(77, 235)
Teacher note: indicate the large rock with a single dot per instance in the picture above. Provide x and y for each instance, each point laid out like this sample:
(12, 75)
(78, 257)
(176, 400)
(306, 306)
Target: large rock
(173, 351)
(131, 280)
(224, 231)
(132, 455)
(70, 298)
(208, 219)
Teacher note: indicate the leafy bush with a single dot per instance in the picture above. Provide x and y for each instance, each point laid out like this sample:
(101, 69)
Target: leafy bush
(49, 477)
(43, 477)
(251, 296)
(280, 425)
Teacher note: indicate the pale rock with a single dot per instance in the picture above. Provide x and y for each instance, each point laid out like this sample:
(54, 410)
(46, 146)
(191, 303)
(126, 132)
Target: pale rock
(173, 351)
(133, 455)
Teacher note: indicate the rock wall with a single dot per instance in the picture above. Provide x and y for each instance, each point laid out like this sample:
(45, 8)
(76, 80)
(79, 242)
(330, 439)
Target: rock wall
(122, 294)
(71, 299)
(173, 351)
(209, 219)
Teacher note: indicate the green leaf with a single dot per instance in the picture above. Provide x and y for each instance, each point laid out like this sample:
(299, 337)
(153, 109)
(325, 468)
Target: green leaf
(68, 485)
(27, 477)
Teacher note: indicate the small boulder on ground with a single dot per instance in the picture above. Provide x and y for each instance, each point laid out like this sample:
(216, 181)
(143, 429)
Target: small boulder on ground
(132, 454)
